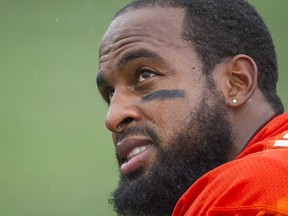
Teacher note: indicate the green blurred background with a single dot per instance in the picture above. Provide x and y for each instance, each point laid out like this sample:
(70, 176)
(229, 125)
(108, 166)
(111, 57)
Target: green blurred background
(56, 157)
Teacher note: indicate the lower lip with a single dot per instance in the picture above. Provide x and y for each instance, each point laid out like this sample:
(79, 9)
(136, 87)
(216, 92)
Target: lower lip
(138, 161)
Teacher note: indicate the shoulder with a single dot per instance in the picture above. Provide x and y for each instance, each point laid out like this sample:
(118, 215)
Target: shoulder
(261, 164)
(260, 173)
(254, 182)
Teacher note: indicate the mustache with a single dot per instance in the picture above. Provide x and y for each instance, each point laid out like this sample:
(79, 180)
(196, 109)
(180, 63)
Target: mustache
(138, 131)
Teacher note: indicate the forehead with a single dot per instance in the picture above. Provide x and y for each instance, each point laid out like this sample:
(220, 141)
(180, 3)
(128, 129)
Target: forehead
(163, 25)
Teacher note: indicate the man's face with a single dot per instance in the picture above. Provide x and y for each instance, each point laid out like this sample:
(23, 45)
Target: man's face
(155, 79)
(162, 112)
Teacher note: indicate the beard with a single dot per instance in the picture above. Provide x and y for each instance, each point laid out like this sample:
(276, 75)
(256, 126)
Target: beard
(202, 145)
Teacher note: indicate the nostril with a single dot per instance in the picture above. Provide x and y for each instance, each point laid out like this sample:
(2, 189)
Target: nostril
(125, 122)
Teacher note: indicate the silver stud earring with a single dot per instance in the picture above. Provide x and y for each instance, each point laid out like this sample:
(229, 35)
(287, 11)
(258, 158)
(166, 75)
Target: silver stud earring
(234, 101)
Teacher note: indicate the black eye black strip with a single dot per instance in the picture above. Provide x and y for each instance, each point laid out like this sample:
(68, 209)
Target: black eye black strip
(163, 95)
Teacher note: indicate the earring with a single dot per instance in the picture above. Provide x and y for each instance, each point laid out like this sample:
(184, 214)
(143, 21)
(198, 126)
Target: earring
(234, 101)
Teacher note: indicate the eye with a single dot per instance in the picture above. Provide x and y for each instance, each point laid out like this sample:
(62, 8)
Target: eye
(110, 94)
(145, 74)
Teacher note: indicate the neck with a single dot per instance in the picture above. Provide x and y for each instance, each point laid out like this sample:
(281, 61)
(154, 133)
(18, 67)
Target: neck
(248, 120)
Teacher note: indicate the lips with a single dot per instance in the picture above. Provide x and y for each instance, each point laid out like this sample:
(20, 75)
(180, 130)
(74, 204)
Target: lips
(133, 153)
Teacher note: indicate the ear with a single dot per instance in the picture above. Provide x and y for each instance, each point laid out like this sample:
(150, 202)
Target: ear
(238, 80)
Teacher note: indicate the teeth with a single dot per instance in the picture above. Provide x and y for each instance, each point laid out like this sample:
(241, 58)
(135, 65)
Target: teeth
(137, 151)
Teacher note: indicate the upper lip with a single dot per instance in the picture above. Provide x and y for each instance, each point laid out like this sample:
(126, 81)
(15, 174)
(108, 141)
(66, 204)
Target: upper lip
(124, 147)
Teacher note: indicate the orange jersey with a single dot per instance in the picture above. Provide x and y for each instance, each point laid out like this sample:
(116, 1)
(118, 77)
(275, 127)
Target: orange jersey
(255, 183)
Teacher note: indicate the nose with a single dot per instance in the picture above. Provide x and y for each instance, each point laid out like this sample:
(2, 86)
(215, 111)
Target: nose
(122, 112)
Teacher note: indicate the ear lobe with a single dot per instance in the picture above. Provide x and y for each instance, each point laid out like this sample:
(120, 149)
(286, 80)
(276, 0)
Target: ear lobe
(242, 75)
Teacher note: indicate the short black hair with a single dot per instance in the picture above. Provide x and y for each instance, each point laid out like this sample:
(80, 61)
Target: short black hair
(219, 29)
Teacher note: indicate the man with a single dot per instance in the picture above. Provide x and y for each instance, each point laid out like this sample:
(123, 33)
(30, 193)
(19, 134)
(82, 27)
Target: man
(195, 119)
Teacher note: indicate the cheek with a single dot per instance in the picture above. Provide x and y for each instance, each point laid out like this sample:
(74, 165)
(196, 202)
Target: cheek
(168, 118)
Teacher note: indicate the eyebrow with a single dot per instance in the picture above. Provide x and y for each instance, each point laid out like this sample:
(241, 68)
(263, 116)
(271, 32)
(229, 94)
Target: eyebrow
(140, 53)
(126, 58)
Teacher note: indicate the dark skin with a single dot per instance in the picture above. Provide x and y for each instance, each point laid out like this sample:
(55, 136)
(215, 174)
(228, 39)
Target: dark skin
(151, 77)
